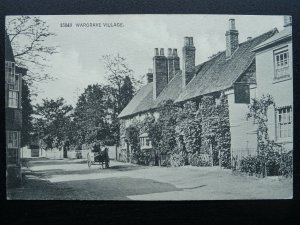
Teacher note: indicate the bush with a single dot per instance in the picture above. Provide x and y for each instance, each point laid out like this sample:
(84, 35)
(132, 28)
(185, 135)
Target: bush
(142, 157)
(251, 165)
(177, 159)
(286, 165)
(277, 164)
(198, 159)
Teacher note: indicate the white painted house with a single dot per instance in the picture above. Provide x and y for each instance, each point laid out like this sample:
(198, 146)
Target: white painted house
(274, 75)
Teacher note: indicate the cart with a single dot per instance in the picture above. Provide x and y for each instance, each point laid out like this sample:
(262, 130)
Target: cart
(98, 157)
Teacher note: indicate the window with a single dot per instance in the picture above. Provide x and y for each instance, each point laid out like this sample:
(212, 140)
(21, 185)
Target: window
(281, 60)
(284, 122)
(13, 139)
(10, 72)
(145, 142)
(15, 85)
(13, 99)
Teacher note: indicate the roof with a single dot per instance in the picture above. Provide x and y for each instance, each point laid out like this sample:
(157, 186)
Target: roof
(220, 73)
(143, 100)
(282, 35)
(214, 75)
(9, 55)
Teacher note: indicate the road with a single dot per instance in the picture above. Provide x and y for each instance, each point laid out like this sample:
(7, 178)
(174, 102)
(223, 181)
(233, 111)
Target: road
(68, 179)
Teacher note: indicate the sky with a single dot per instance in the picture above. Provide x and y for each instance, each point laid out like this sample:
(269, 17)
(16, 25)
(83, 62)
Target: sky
(78, 63)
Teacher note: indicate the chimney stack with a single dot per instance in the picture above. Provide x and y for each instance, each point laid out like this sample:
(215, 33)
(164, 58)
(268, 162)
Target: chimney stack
(150, 76)
(160, 72)
(188, 68)
(232, 39)
(173, 63)
(287, 21)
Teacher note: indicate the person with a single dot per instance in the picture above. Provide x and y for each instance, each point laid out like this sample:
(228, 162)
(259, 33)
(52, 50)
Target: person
(97, 148)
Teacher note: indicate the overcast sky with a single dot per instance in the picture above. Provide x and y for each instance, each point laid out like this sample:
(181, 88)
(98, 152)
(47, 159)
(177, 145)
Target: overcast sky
(78, 63)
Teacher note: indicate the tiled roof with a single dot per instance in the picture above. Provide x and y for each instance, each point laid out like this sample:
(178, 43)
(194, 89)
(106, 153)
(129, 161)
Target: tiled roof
(285, 33)
(143, 100)
(220, 73)
(213, 75)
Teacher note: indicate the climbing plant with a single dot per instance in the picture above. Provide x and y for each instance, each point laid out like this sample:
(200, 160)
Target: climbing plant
(258, 109)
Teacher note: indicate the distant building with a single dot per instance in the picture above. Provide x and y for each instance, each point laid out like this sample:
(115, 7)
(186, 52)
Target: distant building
(231, 73)
(13, 113)
(274, 75)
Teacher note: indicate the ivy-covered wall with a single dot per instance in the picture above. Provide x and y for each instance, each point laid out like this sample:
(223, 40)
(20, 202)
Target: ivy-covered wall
(190, 133)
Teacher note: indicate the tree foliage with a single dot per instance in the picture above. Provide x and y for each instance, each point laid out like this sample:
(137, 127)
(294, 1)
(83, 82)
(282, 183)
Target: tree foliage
(93, 115)
(52, 123)
(28, 36)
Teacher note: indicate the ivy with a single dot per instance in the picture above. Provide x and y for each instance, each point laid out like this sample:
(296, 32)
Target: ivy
(183, 134)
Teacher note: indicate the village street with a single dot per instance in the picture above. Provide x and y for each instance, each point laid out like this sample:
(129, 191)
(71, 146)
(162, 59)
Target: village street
(69, 179)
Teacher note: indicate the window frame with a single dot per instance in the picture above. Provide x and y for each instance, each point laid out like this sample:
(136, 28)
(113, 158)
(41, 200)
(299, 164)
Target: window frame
(16, 85)
(284, 123)
(284, 66)
(15, 139)
(10, 74)
(13, 101)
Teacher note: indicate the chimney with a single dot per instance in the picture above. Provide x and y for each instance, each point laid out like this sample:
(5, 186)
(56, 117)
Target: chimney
(150, 76)
(176, 60)
(173, 63)
(160, 72)
(249, 38)
(287, 21)
(188, 67)
(232, 39)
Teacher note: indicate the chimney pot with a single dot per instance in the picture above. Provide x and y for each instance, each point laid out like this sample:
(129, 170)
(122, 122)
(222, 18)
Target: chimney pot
(175, 52)
(231, 24)
(169, 52)
(156, 51)
(162, 52)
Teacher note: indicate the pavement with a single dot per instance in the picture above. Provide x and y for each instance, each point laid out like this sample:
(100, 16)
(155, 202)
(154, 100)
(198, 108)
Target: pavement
(71, 179)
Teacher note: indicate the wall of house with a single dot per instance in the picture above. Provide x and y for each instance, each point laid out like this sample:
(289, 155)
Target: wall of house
(281, 90)
(243, 130)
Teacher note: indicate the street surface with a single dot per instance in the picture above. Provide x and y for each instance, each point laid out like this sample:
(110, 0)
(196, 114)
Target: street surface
(70, 179)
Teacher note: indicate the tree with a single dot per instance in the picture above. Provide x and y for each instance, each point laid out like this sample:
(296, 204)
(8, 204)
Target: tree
(28, 36)
(93, 115)
(53, 121)
(123, 86)
(126, 92)
(116, 72)
(27, 111)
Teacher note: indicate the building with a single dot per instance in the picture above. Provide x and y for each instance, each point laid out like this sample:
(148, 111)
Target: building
(13, 114)
(274, 75)
(231, 73)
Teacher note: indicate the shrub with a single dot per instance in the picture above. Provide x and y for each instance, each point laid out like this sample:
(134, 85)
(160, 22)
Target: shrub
(251, 165)
(177, 158)
(286, 165)
(276, 164)
(198, 159)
